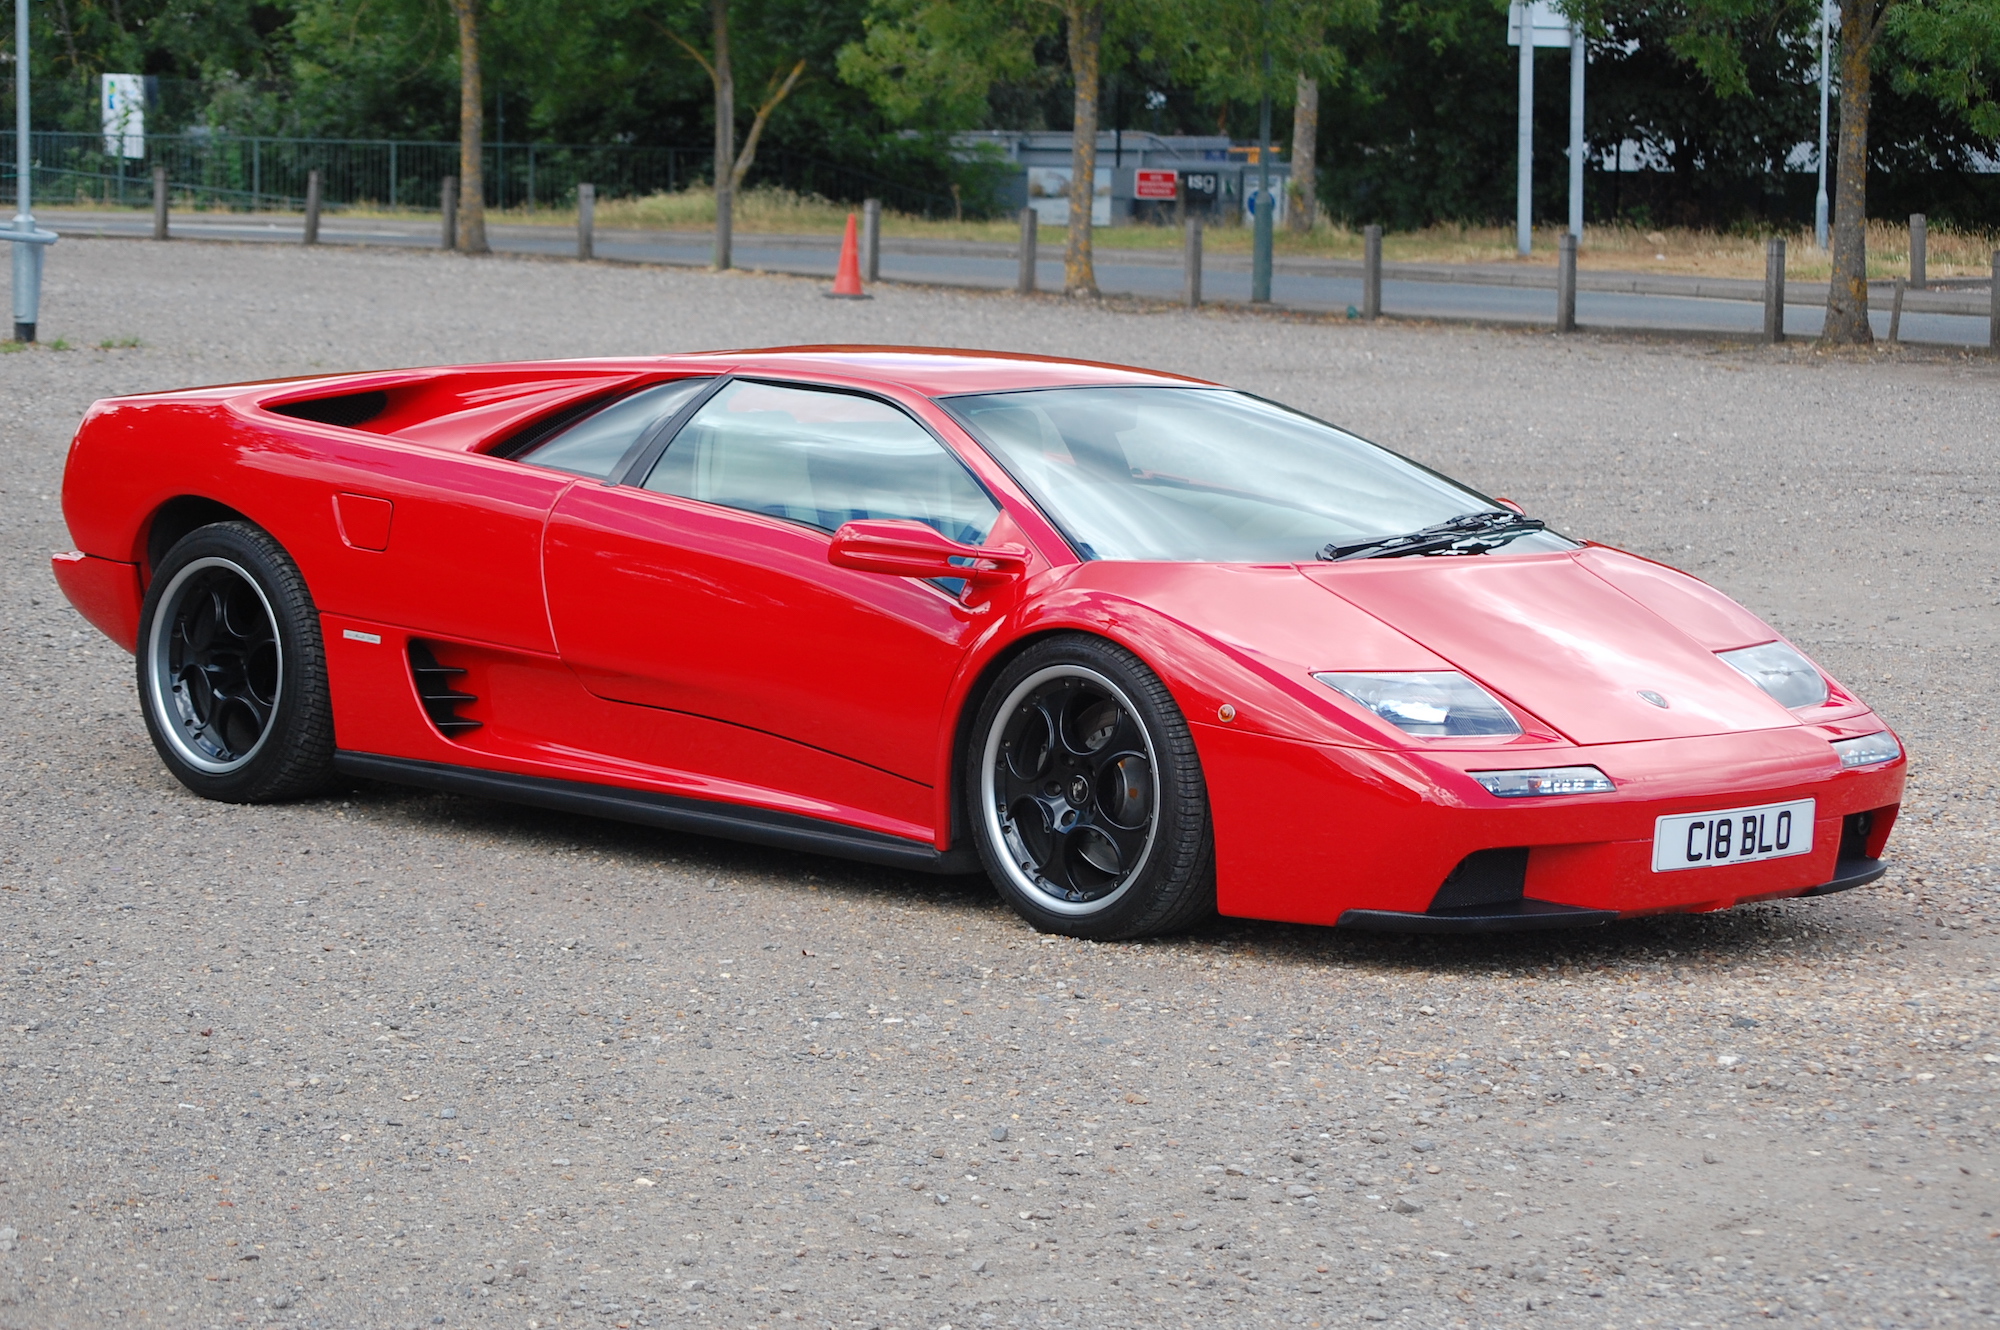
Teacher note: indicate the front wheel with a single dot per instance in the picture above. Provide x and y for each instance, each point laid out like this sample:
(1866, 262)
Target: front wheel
(1088, 803)
(232, 672)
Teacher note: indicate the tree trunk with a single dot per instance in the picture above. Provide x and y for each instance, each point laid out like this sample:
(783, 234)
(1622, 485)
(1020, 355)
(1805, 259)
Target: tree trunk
(1086, 37)
(1305, 155)
(725, 135)
(471, 122)
(1847, 294)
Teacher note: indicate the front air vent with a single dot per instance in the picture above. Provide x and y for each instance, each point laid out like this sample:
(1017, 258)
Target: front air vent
(347, 411)
(1854, 829)
(1484, 878)
(437, 687)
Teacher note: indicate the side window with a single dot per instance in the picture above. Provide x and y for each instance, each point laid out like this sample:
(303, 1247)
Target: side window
(593, 445)
(821, 458)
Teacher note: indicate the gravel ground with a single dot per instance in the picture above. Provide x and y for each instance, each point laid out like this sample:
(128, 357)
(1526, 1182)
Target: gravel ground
(397, 1059)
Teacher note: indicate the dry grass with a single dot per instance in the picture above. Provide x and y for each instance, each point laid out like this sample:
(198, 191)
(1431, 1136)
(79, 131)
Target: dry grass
(773, 211)
(1951, 253)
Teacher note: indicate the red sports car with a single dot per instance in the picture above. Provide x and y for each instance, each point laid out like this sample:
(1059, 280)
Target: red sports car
(1141, 647)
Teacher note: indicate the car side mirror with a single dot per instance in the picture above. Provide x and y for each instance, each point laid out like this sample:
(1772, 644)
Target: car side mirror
(911, 549)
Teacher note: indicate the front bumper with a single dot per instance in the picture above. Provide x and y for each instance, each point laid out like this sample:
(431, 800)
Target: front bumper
(1527, 915)
(1314, 833)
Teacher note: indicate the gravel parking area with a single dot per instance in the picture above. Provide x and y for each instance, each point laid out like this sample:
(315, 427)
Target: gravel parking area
(397, 1059)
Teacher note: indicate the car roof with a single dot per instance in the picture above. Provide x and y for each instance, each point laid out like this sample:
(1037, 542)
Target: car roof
(938, 371)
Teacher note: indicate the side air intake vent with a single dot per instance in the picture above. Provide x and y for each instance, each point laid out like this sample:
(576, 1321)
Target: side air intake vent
(346, 411)
(437, 685)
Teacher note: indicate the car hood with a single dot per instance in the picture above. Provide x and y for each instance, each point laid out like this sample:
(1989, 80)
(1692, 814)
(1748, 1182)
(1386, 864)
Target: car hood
(1576, 639)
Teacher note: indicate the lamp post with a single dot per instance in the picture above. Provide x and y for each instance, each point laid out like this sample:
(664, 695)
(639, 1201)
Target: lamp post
(1260, 257)
(28, 242)
(1524, 135)
(1819, 203)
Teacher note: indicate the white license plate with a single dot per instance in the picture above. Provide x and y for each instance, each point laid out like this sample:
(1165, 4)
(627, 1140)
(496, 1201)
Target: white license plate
(1732, 836)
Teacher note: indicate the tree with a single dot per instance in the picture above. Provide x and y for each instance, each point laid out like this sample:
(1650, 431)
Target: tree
(1939, 46)
(730, 165)
(1861, 24)
(1306, 42)
(471, 125)
(1305, 153)
(1084, 20)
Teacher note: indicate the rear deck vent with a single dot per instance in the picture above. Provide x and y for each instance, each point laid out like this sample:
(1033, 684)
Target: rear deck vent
(437, 686)
(347, 411)
(1484, 877)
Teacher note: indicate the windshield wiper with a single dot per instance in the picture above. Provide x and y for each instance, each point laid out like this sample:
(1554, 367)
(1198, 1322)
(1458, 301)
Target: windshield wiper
(1468, 533)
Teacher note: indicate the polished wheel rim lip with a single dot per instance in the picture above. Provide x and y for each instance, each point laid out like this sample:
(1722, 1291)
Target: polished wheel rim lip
(173, 708)
(996, 818)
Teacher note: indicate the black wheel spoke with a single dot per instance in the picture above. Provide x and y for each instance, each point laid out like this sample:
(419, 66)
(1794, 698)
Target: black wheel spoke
(1130, 842)
(222, 663)
(1073, 787)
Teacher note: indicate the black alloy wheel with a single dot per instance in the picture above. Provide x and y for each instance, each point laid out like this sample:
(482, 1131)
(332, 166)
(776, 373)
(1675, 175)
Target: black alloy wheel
(1089, 808)
(232, 673)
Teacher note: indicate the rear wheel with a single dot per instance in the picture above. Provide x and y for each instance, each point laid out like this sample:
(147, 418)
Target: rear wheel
(1089, 808)
(232, 672)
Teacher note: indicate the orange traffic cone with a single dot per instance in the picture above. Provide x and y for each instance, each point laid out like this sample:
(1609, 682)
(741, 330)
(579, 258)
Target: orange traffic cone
(847, 282)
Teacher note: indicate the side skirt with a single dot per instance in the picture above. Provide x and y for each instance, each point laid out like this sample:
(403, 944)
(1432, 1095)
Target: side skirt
(703, 817)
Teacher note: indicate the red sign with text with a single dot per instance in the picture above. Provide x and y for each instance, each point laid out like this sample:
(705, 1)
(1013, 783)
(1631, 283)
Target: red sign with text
(1154, 185)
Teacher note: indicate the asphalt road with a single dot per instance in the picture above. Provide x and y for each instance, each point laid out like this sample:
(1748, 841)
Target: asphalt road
(1151, 275)
(392, 1059)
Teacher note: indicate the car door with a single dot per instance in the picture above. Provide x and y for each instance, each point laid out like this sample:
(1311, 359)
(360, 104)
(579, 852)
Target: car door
(704, 587)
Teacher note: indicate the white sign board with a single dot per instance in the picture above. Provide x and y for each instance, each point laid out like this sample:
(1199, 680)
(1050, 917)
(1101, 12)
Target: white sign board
(1048, 195)
(124, 105)
(1551, 28)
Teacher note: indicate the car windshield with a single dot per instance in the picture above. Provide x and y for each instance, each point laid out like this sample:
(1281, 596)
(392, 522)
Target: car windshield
(1207, 475)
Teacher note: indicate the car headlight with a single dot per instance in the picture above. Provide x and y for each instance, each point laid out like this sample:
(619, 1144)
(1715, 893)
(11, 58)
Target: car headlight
(1540, 781)
(1868, 749)
(1444, 703)
(1782, 672)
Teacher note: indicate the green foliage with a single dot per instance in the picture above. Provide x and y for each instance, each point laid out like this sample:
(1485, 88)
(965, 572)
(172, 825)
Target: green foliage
(934, 62)
(1225, 57)
(1417, 121)
(1950, 54)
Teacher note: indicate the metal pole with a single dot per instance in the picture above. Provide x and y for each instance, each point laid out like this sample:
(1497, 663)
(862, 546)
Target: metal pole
(1260, 258)
(1774, 290)
(1566, 283)
(1524, 168)
(1576, 59)
(1191, 261)
(1371, 272)
(1819, 201)
(1024, 281)
(1993, 308)
(312, 206)
(448, 204)
(1919, 242)
(27, 254)
(159, 203)
(586, 222)
(871, 239)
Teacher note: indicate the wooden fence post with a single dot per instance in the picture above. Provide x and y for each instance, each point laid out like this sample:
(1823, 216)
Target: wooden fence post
(1191, 262)
(1371, 272)
(586, 222)
(312, 206)
(159, 203)
(448, 200)
(1774, 290)
(1024, 281)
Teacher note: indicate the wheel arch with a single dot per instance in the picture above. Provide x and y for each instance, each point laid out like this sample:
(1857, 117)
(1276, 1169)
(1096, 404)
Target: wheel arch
(175, 519)
(974, 697)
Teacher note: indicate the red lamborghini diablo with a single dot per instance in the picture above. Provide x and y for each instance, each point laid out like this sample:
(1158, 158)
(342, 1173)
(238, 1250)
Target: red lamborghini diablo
(1141, 647)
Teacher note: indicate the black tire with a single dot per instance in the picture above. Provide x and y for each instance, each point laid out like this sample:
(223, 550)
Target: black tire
(1086, 798)
(232, 671)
